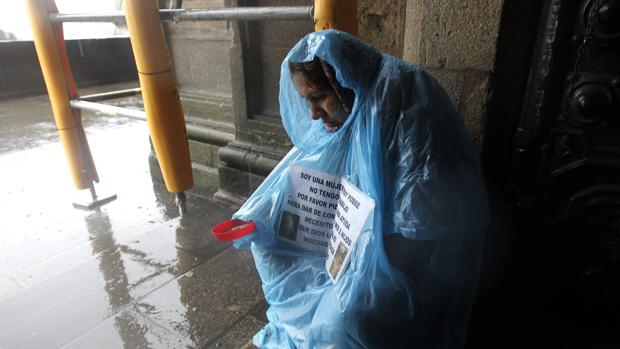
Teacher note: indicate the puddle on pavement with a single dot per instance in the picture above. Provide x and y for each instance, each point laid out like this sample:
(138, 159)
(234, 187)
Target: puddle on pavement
(36, 202)
(68, 274)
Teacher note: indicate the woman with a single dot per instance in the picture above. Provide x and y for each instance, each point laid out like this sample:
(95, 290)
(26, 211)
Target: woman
(390, 130)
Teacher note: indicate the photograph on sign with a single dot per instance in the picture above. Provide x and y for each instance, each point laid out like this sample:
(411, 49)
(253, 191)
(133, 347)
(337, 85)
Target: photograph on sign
(289, 224)
(338, 260)
(354, 208)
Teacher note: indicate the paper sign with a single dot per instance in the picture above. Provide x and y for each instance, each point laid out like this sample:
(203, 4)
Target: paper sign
(323, 213)
(309, 208)
(351, 214)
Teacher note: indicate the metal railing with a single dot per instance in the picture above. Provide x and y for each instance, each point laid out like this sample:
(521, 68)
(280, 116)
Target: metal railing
(277, 13)
(51, 53)
(274, 13)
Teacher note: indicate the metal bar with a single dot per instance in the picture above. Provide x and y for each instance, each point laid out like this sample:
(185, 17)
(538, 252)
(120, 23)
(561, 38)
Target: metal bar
(110, 95)
(193, 132)
(114, 16)
(108, 109)
(224, 14)
(246, 14)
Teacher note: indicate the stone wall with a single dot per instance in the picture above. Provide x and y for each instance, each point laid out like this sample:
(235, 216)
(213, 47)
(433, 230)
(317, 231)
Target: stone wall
(20, 72)
(228, 76)
(456, 42)
(382, 23)
(260, 140)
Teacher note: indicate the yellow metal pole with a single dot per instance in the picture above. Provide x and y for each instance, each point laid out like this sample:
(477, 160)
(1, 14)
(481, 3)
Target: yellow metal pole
(336, 14)
(161, 97)
(68, 121)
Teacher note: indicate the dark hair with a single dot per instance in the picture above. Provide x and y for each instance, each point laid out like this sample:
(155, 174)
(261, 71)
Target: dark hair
(312, 70)
(323, 76)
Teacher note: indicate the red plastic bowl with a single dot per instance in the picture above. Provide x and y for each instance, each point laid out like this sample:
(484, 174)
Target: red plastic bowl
(233, 229)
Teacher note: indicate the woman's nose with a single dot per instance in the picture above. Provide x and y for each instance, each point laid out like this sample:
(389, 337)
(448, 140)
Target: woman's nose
(316, 111)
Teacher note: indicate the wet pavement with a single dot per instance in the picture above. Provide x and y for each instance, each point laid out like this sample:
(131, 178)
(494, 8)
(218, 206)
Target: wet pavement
(132, 274)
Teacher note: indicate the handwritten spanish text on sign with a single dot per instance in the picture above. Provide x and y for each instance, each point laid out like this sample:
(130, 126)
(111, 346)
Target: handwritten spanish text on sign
(323, 213)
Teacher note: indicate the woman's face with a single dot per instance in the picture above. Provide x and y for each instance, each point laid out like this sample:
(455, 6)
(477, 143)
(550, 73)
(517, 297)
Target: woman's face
(324, 104)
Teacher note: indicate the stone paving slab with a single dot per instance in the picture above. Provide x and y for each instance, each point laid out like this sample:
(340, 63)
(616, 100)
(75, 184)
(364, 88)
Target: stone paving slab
(128, 330)
(236, 337)
(67, 304)
(212, 301)
(204, 303)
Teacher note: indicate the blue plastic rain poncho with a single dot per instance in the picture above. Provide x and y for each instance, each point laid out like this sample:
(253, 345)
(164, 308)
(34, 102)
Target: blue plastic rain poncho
(404, 146)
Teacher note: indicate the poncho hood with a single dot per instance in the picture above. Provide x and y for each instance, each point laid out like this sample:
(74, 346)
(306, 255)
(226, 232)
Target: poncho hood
(356, 64)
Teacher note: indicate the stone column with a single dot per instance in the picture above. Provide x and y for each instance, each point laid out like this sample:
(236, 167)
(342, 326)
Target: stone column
(260, 140)
(456, 42)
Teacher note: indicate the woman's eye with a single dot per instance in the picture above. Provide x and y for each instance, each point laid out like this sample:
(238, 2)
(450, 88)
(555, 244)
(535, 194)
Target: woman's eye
(316, 98)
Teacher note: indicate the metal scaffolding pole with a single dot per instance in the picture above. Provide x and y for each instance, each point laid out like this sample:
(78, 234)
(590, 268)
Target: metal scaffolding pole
(108, 109)
(110, 95)
(336, 14)
(225, 14)
(194, 132)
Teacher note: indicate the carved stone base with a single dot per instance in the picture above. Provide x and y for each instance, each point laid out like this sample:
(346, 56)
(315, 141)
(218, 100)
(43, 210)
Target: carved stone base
(243, 167)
